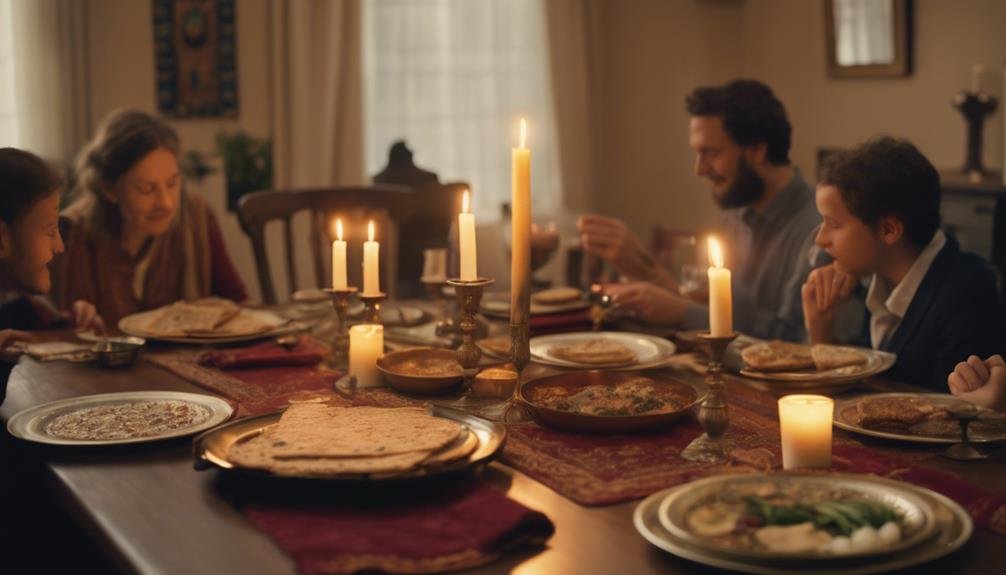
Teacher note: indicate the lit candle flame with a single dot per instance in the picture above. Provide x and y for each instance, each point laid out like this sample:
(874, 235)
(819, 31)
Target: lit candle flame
(523, 133)
(338, 229)
(370, 230)
(464, 202)
(715, 253)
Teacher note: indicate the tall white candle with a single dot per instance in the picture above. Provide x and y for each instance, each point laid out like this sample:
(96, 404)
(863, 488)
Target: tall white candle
(466, 237)
(338, 258)
(366, 346)
(721, 319)
(371, 265)
(805, 427)
(520, 218)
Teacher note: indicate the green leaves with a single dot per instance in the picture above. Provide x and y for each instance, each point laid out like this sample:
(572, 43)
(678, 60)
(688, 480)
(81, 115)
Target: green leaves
(842, 517)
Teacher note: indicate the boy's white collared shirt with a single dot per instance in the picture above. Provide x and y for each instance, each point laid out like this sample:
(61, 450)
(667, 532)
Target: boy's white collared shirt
(888, 307)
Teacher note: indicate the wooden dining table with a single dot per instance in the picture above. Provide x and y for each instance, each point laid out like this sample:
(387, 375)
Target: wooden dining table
(149, 511)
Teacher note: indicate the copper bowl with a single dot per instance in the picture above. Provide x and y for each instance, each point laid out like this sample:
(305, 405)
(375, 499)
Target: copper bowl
(406, 379)
(532, 392)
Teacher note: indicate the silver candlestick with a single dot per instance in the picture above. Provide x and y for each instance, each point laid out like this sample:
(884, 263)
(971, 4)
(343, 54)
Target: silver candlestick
(714, 417)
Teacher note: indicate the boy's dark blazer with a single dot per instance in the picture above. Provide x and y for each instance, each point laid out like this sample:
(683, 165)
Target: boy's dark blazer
(955, 313)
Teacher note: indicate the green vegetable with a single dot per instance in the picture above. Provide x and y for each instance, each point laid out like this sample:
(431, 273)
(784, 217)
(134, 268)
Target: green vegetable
(842, 517)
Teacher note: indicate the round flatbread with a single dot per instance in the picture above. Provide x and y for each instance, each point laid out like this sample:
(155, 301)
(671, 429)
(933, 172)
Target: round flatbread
(778, 356)
(557, 296)
(835, 356)
(497, 346)
(595, 352)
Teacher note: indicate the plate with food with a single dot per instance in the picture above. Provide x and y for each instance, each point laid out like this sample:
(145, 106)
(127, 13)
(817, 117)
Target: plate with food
(608, 401)
(119, 418)
(207, 320)
(392, 314)
(421, 371)
(917, 417)
(952, 526)
(495, 347)
(592, 350)
(794, 362)
(316, 440)
(553, 300)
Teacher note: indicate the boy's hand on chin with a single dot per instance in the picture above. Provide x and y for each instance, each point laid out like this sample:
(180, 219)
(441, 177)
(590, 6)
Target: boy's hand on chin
(825, 288)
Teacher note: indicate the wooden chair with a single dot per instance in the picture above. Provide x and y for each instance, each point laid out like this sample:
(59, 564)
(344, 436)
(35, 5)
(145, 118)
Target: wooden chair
(389, 205)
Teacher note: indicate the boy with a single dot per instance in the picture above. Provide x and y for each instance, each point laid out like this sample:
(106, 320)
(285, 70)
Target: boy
(29, 239)
(928, 302)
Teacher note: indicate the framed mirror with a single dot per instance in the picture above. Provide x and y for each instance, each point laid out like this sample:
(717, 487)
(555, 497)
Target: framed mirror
(868, 38)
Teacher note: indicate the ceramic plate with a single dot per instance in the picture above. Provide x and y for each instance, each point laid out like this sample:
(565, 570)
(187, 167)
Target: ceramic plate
(392, 314)
(953, 529)
(131, 325)
(976, 433)
(30, 424)
(651, 351)
(497, 304)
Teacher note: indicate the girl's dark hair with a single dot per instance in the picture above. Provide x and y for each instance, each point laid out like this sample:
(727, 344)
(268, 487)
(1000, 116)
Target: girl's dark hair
(751, 114)
(25, 179)
(888, 177)
(124, 138)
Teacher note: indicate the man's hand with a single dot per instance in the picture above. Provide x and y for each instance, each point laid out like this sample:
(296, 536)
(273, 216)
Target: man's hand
(982, 383)
(650, 303)
(611, 240)
(826, 287)
(84, 317)
(9, 336)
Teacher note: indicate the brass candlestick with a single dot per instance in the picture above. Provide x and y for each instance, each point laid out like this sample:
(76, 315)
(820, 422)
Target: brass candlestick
(340, 301)
(372, 306)
(469, 295)
(711, 446)
(446, 326)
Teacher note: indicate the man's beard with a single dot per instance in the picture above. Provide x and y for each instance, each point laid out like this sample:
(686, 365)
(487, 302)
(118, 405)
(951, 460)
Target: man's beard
(748, 187)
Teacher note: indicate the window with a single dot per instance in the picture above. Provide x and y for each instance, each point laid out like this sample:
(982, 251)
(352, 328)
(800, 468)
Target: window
(452, 78)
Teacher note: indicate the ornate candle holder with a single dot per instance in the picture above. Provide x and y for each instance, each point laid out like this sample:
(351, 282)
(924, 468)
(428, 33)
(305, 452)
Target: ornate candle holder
(372, 306)
(711, 446)
(340, 301)
(446, 326)
(469, 296)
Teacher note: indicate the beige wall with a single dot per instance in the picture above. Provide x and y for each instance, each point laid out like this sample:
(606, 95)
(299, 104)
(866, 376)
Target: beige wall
(655, 51)
(121, 66)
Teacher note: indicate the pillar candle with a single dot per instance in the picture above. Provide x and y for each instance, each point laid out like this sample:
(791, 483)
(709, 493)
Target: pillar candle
(520, 247)
(721, 320)
(805, 426)
(371, 267)
(466, 237)
(338, 258)
(366, 346)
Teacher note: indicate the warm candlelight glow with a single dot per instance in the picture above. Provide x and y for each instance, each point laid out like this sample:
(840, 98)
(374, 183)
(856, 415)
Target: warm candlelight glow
(338, 229)
(371, 265)
(464, 203)
(366, 346)
(338, 258)
(715, 253)
(805, 427)
(370, 231)
(523, 133)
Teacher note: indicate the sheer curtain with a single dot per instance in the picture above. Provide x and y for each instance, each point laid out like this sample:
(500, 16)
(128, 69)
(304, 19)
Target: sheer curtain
(8, 109)
(452, 77)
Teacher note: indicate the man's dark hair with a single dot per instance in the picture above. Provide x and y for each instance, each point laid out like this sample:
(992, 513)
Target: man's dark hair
(888, 177)
(751, 114)
(25, 179)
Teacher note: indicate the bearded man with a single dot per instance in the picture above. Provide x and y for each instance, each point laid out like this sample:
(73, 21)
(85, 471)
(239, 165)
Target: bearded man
(741, 137)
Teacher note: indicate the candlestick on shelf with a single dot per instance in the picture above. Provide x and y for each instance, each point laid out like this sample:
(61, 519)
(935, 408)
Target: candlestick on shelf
(714, 418)
(805, 430)
(371, 264)
(466, 239)
(366, 346)
(338, 259)
(720, 298)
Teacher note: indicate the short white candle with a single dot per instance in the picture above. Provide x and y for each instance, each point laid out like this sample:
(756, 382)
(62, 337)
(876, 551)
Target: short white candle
(721, 318)
(434, 265)
(371, 266)
(338, 258)
(805, 426)
(466, 237)
(366, 346)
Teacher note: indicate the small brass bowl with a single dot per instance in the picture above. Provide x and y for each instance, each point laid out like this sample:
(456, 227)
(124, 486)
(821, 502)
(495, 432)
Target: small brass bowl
(400, 371)
(118, 351)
